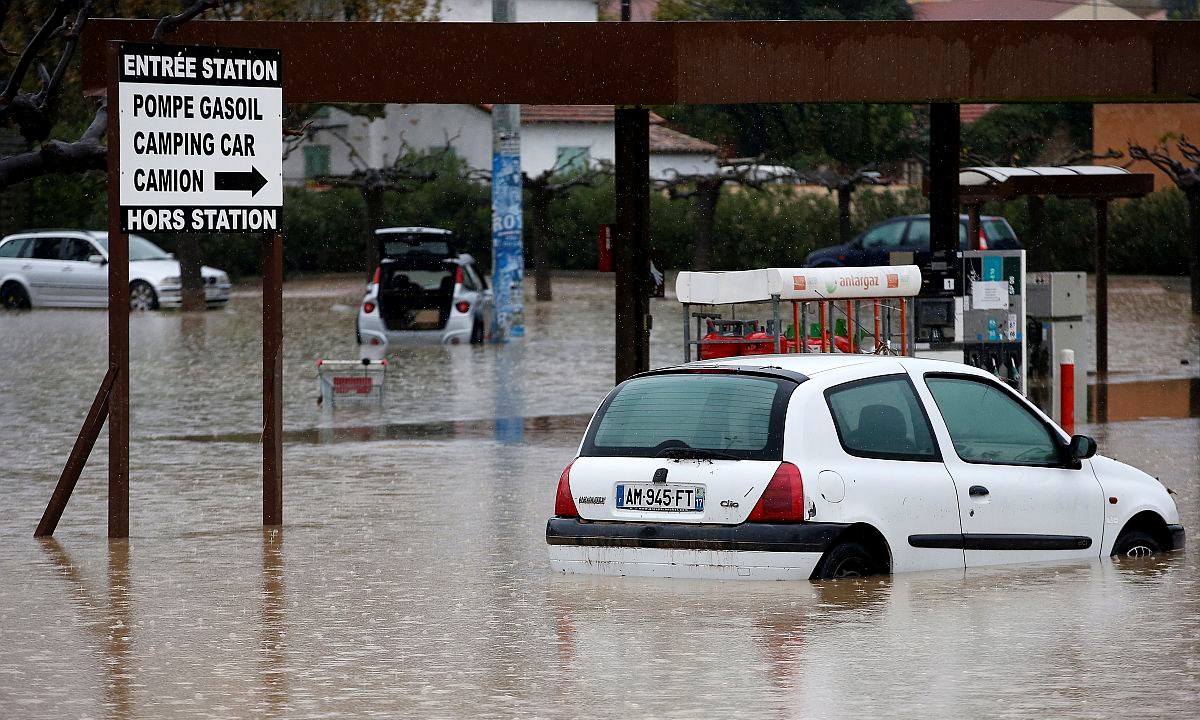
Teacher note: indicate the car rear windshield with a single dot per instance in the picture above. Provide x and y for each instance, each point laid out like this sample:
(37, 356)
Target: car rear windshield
(731, 414)
(999, 234)
(396, 245)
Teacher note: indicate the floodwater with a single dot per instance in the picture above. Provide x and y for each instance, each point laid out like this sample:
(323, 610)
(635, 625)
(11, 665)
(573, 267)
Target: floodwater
(410, 578)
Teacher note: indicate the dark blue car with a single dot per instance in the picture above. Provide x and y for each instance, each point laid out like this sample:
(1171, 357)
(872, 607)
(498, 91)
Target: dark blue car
(908, 234)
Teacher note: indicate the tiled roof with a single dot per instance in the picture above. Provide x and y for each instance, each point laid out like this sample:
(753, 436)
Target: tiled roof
(968, 114)
(570, 114)
(1007, 9)
(665, 140)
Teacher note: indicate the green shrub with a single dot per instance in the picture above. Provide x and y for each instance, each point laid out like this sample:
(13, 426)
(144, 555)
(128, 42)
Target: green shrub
(1149, 236)
(326, 231)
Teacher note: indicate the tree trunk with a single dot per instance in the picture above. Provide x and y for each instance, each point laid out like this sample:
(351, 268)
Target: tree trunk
(845, 233)
(373, 198)
(1193, 198)
(1039, 259)
(539, 211)
(708, 194)
(189, 273)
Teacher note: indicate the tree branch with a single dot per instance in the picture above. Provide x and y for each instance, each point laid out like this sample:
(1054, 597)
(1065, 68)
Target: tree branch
(171, 23)
(32, 50)
(57, 156)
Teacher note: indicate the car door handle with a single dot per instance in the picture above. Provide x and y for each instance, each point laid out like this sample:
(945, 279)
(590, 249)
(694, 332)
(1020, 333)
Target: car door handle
(977, 491)
(67, 269)
(26, 267)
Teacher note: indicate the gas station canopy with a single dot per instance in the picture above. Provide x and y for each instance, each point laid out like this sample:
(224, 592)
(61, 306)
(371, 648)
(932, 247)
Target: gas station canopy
(1099, 182)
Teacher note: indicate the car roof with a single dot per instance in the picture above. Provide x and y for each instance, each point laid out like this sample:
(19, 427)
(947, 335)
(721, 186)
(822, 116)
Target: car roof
(413, 231)
(925, 216)
(811, 364)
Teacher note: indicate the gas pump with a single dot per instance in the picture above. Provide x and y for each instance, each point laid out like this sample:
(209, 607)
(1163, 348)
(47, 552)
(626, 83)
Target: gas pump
(971, 309)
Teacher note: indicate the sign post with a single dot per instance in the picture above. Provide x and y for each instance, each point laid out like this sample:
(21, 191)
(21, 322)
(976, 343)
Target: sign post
(195, 146)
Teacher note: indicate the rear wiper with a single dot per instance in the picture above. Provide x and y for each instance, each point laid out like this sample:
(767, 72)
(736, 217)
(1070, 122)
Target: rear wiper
(685, 453)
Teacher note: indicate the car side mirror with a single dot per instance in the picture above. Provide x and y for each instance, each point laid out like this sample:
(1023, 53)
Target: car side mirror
(1082, 447)
(97, 259)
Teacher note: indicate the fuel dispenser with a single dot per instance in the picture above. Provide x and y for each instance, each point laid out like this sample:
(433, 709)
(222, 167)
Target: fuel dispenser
(971, 309)
(1057, 305)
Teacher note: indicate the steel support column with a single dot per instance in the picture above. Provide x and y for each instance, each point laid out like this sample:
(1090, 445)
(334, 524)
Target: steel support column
(943, 177)
(631, 241)
(1101, 288)
(272, 323)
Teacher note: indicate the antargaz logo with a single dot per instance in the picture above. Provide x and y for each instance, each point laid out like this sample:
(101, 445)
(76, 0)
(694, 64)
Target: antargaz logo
(893, 280)
(799, 283)
(866, 282)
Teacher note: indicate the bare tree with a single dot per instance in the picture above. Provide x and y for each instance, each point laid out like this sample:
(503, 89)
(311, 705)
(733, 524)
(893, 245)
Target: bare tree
(704, 190)
(410, 170)
(544, 189)
(1186, 176)
(34, 113)
(844, 185)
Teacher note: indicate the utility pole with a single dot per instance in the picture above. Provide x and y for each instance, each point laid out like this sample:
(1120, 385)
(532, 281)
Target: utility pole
(508, 252)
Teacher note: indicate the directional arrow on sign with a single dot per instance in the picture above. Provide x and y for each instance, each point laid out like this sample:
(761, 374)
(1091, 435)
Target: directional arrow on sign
(252, 180)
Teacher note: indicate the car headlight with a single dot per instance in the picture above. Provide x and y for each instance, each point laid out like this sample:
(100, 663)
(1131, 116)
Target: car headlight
(173, 280)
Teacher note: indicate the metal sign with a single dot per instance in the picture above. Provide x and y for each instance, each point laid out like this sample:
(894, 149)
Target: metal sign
(201, 139)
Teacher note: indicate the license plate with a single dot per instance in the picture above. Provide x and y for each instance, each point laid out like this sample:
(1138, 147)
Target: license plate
(660, 497)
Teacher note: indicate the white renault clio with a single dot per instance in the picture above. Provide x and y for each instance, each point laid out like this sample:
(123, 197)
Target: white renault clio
(825, 466)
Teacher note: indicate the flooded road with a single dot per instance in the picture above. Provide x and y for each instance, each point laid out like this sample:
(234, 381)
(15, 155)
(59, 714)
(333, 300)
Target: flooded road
(411, 577)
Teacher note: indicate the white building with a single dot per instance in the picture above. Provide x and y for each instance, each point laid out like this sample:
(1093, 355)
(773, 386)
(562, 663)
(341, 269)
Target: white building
(551, 135)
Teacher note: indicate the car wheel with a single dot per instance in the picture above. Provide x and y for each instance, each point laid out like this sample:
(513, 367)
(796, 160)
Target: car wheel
(142, 296)
(14, 297)
(477, 332)
(1136, 544)
(849, 560)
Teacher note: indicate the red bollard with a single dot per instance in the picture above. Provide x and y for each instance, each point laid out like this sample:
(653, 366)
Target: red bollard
(1066, 387)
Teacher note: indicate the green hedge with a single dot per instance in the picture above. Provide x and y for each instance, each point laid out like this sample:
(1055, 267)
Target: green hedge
(325, 230)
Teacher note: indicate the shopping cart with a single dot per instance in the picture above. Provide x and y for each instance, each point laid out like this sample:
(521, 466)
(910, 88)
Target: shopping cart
(351, 380)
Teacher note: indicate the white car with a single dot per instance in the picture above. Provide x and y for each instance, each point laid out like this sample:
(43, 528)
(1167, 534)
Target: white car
(423, 291)
(823, 466)
(69, 268)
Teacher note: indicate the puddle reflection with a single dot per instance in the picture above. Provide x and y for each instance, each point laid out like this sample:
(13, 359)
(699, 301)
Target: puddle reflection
(274, 625)
(110, 619)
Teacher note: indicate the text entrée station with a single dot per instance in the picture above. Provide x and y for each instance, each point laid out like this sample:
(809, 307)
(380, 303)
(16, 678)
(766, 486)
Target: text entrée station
(201, 139)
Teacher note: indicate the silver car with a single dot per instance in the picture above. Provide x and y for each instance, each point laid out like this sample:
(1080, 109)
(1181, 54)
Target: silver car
(423, 291)
(69, 268)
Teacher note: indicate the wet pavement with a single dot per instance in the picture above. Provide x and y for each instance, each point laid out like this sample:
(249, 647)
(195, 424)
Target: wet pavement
(410, 578)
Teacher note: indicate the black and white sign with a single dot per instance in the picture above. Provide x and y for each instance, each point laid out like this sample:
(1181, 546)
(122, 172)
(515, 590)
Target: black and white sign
(201, 139)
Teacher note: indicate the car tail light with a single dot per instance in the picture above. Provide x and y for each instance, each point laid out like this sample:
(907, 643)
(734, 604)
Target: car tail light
(463, 306)
(375, 277)
(564, 504)
(982, 240)
(458, 275)
(368, 307)
(783, 500)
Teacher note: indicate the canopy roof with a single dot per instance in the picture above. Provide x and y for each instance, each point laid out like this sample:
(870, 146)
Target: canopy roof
(980, 184)
(842, 283)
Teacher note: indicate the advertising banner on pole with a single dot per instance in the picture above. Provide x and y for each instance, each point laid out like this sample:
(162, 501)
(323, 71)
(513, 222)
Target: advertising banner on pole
(508, 254)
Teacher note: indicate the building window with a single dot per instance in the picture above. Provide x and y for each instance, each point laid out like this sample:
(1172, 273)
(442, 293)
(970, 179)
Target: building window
(572, 160)
(316, 161)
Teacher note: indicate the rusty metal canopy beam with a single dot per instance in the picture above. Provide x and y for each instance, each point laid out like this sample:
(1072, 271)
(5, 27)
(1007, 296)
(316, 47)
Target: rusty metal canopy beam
(705, 62)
